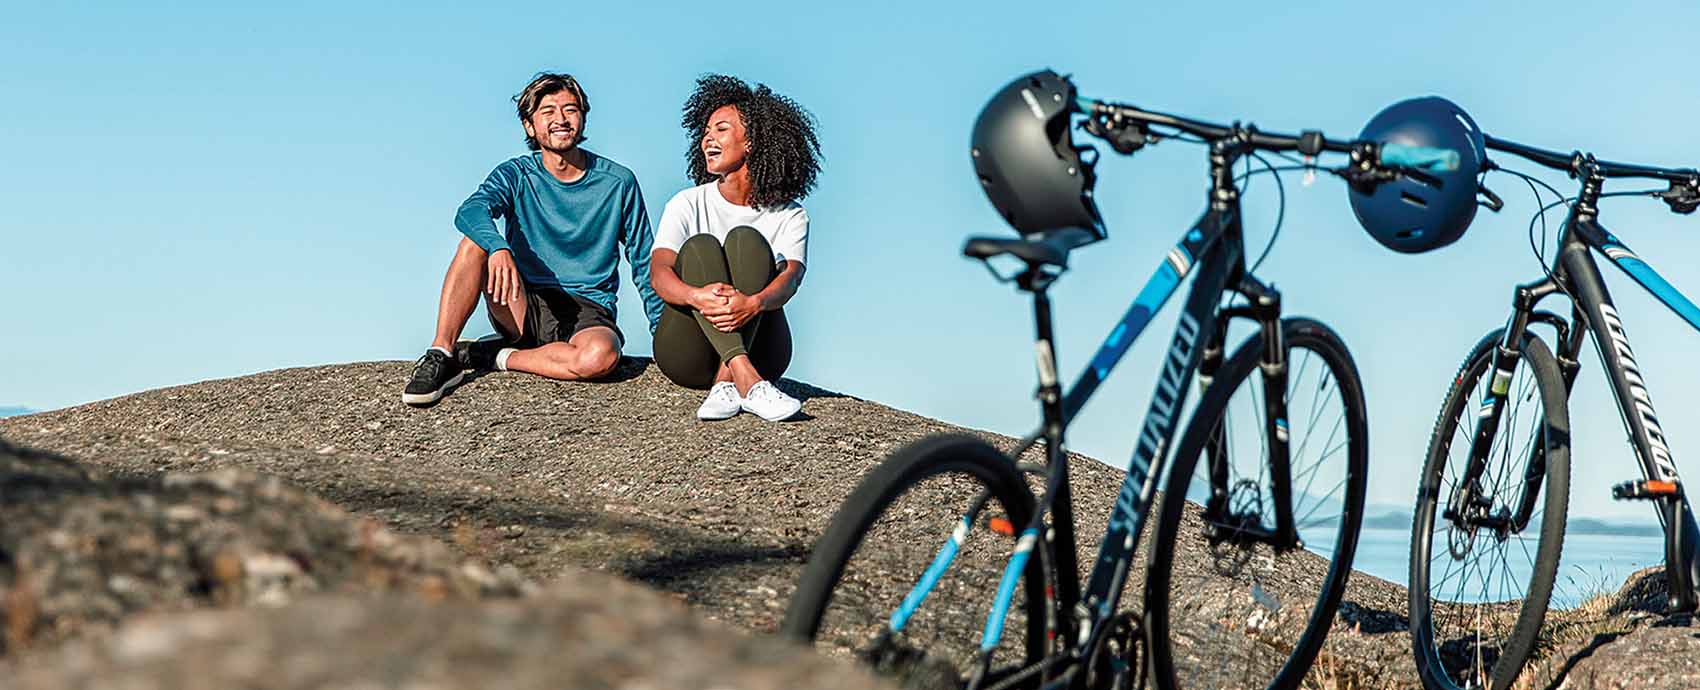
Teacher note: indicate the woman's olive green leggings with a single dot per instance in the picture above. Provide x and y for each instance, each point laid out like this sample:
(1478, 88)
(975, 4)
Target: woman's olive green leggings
(688, 348)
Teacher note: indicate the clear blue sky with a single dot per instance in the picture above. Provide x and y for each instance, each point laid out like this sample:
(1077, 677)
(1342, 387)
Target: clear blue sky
(195, 191)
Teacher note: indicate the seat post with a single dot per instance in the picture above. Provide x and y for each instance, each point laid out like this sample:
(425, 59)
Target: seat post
(1058, 498)
(1045, 358)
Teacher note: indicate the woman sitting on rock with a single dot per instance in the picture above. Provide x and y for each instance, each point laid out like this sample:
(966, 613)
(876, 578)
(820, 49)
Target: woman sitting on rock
(729, 252)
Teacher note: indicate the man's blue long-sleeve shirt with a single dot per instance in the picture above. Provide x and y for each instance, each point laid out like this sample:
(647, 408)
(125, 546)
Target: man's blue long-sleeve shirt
(563, 234)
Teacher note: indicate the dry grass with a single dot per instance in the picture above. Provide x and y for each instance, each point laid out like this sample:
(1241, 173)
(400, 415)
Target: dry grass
(1329, 673)
(21, 613)
(1565, 629)
(1593, 617)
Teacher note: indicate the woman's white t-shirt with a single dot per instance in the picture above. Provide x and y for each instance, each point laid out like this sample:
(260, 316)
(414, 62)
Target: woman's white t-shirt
(702, 210)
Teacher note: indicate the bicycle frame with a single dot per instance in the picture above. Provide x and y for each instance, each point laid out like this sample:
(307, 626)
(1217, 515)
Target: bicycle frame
(1575, 273)
(1214, 249)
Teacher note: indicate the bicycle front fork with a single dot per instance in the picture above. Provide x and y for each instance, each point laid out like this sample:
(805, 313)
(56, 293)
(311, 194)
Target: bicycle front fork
(1469, 509)
(1220, 517)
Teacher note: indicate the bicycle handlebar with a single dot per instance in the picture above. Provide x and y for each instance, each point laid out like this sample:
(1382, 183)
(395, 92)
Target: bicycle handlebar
(1575, 162)
(1308, 143)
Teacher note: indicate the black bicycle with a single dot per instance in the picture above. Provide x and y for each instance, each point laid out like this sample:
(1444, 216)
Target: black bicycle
(1491, 502)
(1243, 580)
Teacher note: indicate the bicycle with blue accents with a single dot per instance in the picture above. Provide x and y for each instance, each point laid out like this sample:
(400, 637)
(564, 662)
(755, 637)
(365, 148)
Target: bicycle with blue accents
(946, 536)
(1493, 496)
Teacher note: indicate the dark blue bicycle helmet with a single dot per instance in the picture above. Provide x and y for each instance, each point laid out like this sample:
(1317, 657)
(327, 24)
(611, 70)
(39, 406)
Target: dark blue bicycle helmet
(1420, 213)
(1025, 157)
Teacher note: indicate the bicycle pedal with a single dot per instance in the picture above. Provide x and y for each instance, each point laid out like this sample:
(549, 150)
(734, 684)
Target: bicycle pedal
(1646, 489)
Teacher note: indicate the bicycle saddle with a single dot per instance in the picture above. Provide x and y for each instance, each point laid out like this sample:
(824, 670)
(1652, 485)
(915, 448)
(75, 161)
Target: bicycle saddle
(1050, 249)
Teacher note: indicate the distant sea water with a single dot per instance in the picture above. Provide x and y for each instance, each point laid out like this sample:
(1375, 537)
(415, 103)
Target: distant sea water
(1591, 564)
(1598, 555)
(14, 411)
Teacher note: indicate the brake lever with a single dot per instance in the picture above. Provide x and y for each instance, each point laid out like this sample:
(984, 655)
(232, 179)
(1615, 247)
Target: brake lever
(1492, 202)
(1364, 178)
(1682, 197)
(1365, 174)
(1125, 137)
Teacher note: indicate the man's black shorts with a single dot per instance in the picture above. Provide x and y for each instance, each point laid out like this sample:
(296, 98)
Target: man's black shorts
(553, 315)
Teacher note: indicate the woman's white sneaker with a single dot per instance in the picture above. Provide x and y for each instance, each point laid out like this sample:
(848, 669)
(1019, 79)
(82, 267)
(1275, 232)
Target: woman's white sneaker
(768, 402)
(723, 402)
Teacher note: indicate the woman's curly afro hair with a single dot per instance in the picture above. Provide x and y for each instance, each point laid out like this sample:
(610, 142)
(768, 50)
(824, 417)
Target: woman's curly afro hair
(784, 156)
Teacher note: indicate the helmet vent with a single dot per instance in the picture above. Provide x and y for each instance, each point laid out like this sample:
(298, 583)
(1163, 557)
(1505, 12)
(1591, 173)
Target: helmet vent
(1465, 121)
(1025, 158)
(1422, 208)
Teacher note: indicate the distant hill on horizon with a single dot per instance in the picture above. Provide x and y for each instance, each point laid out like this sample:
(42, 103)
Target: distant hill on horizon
(1575, 525)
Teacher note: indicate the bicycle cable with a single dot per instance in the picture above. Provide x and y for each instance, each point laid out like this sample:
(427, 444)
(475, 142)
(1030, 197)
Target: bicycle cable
(1290, 159)
(1280, 209)
(1539, 249)
(1243, 179)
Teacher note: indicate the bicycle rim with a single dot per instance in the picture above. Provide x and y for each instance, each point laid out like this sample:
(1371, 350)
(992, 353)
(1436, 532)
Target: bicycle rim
(1231, 612)
(1479, 593)
(888, 533)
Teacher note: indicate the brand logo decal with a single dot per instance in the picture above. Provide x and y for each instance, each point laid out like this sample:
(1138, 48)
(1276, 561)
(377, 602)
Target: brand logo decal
(1638, 394)
(1160, 420)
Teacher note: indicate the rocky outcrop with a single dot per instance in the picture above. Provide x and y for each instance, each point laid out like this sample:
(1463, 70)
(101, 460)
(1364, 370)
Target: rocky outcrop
(589, 632)
(80, 551)
(510, 480)
(1619, 640)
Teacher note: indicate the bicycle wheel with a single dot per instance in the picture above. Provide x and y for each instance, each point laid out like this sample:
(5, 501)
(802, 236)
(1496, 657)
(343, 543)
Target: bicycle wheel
(1478, 600)
(889, 532)
(1225, 608)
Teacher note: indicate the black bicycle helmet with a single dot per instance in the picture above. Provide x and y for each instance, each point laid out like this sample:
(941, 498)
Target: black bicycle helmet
(1028, 165)
(1413, 214)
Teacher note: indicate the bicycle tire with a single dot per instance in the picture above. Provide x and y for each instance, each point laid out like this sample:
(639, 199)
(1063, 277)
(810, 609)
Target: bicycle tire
(926, 470)
(1438, 652)
(1258, 620)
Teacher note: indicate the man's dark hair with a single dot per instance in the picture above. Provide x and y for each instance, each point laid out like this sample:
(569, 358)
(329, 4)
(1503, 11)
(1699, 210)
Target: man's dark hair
(784, 153)
(545, 84)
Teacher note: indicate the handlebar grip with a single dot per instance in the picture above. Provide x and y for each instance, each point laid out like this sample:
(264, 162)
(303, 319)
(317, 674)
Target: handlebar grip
(1421, 157)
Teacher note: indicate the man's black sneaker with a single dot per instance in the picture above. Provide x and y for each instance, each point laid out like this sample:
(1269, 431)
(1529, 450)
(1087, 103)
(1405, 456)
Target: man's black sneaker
(480, 354)
(433, 375)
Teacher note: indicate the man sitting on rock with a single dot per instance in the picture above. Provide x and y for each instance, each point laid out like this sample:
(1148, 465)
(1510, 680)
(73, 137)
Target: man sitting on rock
(549, 277)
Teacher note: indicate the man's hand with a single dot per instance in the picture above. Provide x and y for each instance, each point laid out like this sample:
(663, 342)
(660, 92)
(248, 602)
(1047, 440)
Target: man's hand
(711, 298)
(502, 282)
(739, 309)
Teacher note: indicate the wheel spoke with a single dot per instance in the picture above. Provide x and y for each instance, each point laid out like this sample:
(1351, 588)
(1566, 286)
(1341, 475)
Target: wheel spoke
(1242, 611)
(1476, 581)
